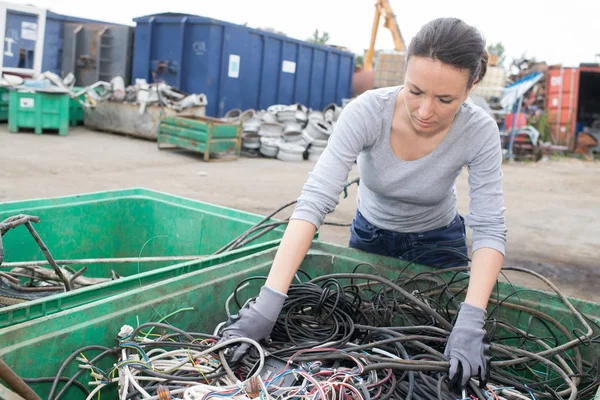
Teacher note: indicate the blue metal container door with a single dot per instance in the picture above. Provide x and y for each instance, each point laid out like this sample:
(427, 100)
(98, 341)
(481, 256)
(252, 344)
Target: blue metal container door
(241, 72)
(200, 72)
(19, 40)
(287, 73)
(303, 74)
(164, 64)
(142, 47)
(53, 45)
(270, 71)
(344, 78)
(332, 71)
(252, 69)
(317, 79)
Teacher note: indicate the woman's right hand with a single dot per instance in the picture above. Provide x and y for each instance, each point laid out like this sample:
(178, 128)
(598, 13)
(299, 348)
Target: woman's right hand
(257, 319)
(254, 321)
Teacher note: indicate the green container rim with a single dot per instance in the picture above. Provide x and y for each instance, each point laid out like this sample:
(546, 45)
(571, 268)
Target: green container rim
(31, 310)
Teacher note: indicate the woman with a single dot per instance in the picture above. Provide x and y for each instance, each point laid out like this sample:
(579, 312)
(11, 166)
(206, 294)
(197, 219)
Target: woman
(411, 142)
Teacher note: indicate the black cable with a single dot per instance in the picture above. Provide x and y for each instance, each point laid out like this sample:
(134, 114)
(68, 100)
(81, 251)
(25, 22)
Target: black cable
(50, 379)
(74, 377)
(67, 361)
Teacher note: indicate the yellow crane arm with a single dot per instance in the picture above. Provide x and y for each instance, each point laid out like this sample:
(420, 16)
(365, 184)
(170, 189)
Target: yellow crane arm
(382, 7)
(368, 61)
(392, 25)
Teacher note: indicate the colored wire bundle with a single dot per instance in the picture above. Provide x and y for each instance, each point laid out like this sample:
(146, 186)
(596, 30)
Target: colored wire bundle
(358, 336)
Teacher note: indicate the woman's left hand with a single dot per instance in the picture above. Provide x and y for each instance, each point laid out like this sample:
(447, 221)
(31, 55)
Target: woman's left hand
(468, 348)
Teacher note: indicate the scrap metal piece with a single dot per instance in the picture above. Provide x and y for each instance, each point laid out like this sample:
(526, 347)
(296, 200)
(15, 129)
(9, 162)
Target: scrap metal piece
(16, 383)
(47, 254)
(46, 274)
(22, 219)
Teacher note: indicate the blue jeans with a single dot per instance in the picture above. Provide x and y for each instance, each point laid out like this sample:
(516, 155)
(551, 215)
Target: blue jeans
(444, 247)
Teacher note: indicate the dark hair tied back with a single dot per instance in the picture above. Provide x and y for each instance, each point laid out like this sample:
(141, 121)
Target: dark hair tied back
(453, 42)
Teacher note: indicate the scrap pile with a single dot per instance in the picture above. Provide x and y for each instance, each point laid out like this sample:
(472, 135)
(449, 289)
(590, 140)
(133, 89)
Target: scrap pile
(30, 282)
(25, 281)
(140, 93)
(286, 132)
(358, 336)
(155, 94)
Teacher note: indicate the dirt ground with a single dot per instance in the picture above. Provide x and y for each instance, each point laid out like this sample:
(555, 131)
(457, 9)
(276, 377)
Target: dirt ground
(552, 207)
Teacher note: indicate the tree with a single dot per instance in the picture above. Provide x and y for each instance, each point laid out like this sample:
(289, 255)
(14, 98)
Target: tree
(319, 38)
(498, 50)
(360, 61)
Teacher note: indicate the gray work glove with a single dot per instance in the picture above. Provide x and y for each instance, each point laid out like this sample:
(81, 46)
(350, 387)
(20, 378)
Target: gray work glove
(254, 321)
(468, 348)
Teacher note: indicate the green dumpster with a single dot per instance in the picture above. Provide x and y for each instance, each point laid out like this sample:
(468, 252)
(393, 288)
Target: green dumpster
(76, 111)
(54, 338)
(4, 102)
(39, 110)
(136, 224)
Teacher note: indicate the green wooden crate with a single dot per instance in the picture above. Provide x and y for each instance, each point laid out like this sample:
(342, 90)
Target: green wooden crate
(38, 110)
(209, 136)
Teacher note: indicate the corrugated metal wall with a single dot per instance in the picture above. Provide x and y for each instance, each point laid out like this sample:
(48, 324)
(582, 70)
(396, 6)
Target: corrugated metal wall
(562, 90)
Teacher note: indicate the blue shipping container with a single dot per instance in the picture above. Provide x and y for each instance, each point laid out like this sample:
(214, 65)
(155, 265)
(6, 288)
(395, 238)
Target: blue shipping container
(20, 37)
(236, 66)
(53, 42)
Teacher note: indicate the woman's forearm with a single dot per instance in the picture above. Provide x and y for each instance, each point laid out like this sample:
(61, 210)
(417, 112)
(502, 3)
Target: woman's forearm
(485, 268)
(293, 248)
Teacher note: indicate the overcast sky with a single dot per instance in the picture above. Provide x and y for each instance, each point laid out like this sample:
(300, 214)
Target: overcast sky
(547, 30)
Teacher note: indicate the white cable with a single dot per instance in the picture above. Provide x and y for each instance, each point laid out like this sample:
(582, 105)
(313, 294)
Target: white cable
(125, 377)
(130, 377)
(385, 353)
(192, 391)
(93, 392)
(135, 383)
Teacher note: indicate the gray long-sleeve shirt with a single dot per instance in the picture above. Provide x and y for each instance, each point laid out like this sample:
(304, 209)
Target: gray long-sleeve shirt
(410, 196)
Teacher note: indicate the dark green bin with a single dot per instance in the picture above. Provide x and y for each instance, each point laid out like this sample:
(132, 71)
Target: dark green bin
(123, 223)
(54, 338)
(4, 104)
(76, 111)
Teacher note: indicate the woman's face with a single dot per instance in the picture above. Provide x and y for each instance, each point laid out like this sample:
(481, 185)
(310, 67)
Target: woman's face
(433, 93)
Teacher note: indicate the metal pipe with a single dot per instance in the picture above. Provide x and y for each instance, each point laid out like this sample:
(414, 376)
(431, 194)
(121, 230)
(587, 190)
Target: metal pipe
(16, 383)
(18, 264)
(48, 256)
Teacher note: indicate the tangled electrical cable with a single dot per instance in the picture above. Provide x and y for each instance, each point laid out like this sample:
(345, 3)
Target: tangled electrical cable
(264, 226)
(360, 336)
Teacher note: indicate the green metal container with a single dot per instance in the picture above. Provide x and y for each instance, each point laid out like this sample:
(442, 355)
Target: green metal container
(54, 338)
(128, 223)
(39, 111)
(4, 103)
(201, 134)
(76, 111)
